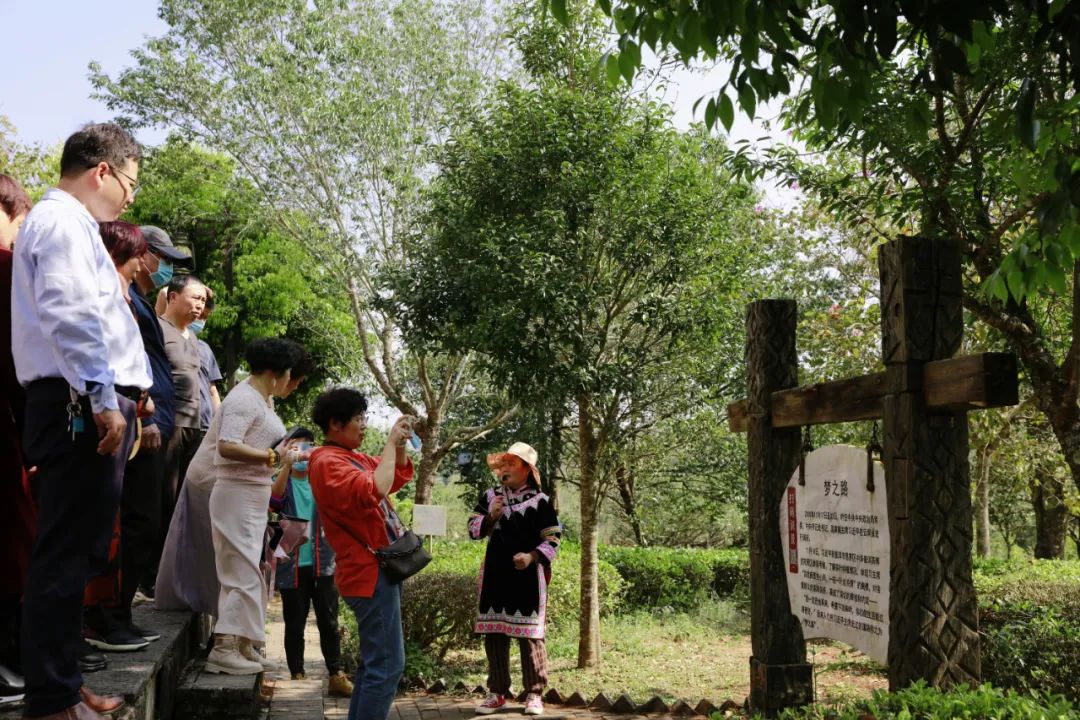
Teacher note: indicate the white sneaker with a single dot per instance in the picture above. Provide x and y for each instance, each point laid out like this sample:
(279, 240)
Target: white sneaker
(533, 704)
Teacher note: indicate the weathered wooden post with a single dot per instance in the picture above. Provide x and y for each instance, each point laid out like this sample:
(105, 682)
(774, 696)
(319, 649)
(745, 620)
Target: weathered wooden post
(780, 677)
(933, 625)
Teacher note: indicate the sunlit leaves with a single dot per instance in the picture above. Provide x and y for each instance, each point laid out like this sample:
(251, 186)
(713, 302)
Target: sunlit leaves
(726, 111)
(840, 47)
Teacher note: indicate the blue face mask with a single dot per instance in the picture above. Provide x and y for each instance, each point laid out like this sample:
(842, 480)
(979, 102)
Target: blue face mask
(197, 326)
(300, 466)
(163, 274)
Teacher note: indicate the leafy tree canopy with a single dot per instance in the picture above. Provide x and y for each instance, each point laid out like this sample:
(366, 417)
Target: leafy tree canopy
(841, 60)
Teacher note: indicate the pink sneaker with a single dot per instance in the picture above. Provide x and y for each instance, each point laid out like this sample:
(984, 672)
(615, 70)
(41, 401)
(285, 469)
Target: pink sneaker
(493, 702)
(533, 704)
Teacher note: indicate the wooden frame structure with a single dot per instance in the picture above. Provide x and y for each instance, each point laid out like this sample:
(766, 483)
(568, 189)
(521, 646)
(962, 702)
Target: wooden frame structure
(922, 398)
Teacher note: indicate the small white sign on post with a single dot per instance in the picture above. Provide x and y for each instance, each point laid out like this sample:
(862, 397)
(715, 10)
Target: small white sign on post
(835, 533)
(429, 520)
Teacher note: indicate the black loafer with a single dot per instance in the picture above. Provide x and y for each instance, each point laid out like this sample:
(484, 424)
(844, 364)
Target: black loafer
(90, 660)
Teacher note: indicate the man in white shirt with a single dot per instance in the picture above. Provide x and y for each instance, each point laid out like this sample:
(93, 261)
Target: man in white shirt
(81, 358)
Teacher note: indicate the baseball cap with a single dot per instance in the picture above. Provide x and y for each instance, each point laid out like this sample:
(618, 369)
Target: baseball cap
(160, 243)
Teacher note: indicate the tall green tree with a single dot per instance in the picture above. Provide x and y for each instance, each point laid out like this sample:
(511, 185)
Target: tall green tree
(330, 109)
(943, 165)
(836, 50)
(34, 167)
(265, 282)
(581, 246)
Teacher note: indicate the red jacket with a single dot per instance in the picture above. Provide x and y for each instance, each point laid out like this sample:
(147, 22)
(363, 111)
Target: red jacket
(343, 484)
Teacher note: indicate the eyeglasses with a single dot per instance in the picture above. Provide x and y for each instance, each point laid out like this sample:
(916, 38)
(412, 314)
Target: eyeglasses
(133, 188)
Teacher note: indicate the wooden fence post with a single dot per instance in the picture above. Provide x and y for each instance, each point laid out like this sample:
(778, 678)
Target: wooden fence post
(779, 674)
(933, 625)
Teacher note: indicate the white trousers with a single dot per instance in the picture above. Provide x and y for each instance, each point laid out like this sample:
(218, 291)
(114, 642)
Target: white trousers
(238, 520)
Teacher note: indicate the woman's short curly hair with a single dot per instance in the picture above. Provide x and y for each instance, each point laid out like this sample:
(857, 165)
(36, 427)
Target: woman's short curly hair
(13, 198)
(274, 354)
(123, 240)
(341, 404)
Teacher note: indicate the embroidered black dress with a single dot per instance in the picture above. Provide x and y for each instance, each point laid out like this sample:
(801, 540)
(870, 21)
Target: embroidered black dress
(512, 601)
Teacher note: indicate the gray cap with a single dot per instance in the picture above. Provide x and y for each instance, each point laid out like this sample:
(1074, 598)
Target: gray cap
(160, 242)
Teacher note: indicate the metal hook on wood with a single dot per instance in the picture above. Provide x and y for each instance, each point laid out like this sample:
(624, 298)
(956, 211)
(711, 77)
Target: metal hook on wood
(807, 448)
(872, 447)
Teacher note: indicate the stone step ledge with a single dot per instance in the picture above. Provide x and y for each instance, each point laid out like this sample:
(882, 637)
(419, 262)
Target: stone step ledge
(147, 679)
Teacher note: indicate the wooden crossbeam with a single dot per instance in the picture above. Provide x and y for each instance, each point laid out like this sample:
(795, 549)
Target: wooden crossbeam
(972, 382)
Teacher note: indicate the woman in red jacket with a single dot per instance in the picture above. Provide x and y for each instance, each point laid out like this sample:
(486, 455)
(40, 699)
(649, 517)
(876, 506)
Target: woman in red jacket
(352, 491)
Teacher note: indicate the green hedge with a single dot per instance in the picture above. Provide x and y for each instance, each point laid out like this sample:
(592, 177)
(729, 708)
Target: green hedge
(678, 578)
(1029, 610)
(1029, 622)
(922, 703)
(1043, 582)
(1030, 647)
(439, 604)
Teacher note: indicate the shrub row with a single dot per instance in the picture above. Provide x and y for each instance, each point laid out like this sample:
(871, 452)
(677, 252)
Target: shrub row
(1042, 582)
(1029, 611)
(678, 578)
(1029, 618)
(439, 605)
(1032, 648)
(919, 702)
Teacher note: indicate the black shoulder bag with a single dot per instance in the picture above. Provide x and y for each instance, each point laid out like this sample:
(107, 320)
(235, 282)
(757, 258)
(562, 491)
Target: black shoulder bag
(402, 558)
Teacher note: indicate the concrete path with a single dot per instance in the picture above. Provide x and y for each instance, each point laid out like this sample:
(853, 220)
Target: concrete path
(307, 700)
(299, 699)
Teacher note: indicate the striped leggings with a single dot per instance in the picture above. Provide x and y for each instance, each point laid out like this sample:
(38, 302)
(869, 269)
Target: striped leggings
(533, 663)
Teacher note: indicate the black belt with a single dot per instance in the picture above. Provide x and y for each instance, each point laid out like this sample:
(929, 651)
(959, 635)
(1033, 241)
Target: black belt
(60, 384)
(130, 392)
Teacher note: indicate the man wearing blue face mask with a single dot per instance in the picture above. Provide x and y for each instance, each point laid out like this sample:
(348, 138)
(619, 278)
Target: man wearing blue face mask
(163, 258)
(141, 501)
(306, 577)
(209, 372)
(145, 497)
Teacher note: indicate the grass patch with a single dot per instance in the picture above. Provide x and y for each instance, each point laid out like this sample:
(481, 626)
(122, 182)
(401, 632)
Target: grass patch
(699, 654)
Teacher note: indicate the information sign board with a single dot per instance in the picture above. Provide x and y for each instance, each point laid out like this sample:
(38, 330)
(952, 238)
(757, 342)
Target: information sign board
(835, 534)
(429, 520)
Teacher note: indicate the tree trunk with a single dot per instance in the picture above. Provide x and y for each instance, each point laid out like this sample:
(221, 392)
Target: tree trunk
(589, 621)
(425, 479)
(551, 459)
(982, 505)
(430, 459)
(625, 481)
(1051, 516)
(1075, 533)
(1055, 386)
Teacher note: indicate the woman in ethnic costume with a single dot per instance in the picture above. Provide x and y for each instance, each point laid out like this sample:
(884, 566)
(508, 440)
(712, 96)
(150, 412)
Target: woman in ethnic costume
(524, 534)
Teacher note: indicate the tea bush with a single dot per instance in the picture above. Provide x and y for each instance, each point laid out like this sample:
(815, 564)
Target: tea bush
(1029, 618)
(1031, 647)
(439, 604)
(679, 579)
(1043, 582)
(919, 702)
